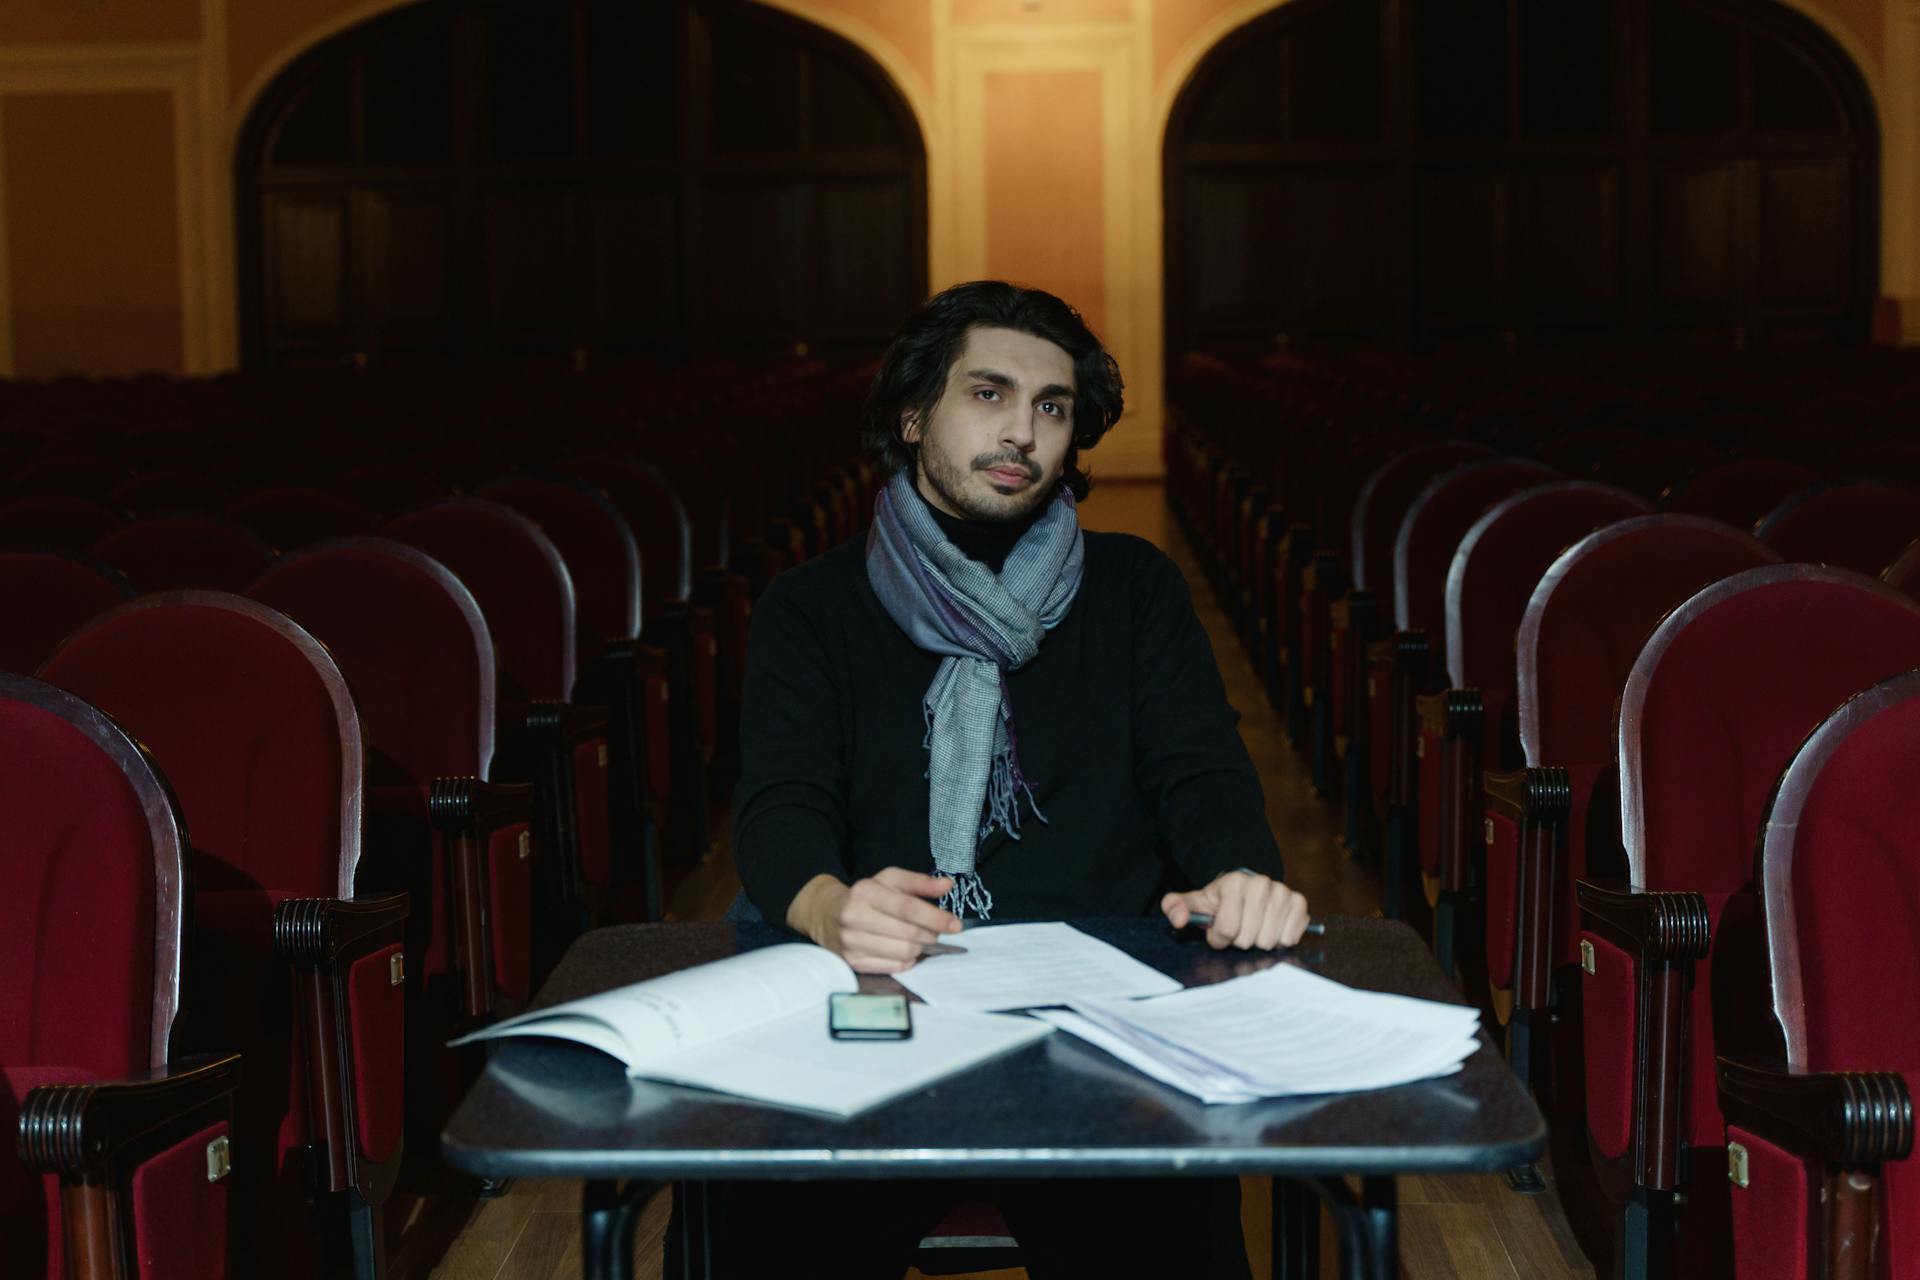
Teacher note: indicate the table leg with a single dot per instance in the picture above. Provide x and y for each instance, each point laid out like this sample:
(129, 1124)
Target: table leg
(1368, 1225)
(609, 1213)
(1296, 1231)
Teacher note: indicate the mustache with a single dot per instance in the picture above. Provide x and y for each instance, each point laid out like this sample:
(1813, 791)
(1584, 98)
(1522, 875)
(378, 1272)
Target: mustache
(987, 460)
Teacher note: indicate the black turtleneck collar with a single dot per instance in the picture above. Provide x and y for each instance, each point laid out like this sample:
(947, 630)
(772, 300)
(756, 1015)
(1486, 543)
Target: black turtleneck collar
(988, 541)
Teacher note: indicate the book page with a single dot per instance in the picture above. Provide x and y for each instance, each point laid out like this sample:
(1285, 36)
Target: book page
(1026, 966)
(650, 1020)
(793, 1062)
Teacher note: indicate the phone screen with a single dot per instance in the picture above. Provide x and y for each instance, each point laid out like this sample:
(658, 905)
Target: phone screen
(852, 1016)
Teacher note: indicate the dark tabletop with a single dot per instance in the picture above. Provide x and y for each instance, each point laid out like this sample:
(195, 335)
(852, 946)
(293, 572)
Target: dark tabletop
(548, 1108)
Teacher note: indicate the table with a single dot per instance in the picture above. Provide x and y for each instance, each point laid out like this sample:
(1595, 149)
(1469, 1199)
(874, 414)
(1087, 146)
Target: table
(1059, 1107)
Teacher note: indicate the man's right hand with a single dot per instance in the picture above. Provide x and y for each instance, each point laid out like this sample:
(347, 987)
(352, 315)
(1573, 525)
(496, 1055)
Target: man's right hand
(877, 925)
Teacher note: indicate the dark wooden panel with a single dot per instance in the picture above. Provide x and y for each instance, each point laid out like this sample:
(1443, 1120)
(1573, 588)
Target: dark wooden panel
(1805, 226)
(529, 261)
(1462, 232)
(306, 263)
(1240, 231)
(753, 286)
(1572, 255)
(635, 238)
(410, 241)
(1694, 230)
(864, 255)
(1339, 270)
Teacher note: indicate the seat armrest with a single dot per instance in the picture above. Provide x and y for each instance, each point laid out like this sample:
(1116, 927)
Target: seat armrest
(1654, 926)
(1526, 832)
(82, 1132)
(349, 965)
(1845, 1118)
(1451, 720)
(469, 813)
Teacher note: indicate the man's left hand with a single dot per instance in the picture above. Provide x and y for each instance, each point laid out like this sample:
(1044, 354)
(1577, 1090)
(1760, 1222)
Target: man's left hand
(1250, 911)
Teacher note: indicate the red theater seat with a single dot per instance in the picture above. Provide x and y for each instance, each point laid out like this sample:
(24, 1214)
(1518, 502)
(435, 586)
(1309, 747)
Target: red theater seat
(526, 594)
(1860, 525)
(1740, 492)
(1495, 567)
(1654, 468)
(185, 551)
(388, 488)
(1904, 574)
(153, 493)
(1582, 628)
(293, 515)
(56, 520)
(49, 595)
(77, 475)
(1722, 694)
(414, 647)
(253, 724)
(92, 949)
(1820, 1120)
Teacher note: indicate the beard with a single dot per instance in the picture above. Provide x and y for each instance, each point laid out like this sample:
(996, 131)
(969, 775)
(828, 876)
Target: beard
(953, 483)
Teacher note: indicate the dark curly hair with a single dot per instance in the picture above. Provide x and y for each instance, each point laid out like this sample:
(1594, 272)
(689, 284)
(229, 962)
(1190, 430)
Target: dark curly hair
(913, 373)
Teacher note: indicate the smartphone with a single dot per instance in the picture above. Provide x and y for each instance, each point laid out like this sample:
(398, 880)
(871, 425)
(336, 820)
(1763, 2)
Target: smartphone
(852, 1016)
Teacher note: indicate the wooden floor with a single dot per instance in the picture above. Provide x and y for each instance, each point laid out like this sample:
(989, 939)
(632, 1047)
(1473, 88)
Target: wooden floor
(1469, 1228)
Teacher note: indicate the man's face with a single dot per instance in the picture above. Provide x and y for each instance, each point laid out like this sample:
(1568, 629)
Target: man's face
(995, 443)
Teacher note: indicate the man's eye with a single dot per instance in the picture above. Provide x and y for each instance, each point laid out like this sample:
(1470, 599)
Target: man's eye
(987, 393)
(1053, 408)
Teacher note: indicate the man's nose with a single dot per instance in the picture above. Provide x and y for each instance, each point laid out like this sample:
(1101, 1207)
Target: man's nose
(1017, 431)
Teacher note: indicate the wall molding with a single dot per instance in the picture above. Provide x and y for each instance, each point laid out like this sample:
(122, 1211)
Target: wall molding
(171, 68)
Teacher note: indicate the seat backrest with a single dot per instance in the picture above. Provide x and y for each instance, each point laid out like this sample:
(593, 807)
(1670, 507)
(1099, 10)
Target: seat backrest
(388, 488)
(1383, 503)
(176, 489)
(1652, 468)
(252, 722)
(291, 516)
(653, 511)
(56, 520)
(1496, 567)
(596, 543)
(1431, 530)
(1591, 611)
(1722, 694)
(1860, 525)
(79, 475)
(1840, 859)
(185, 551)
(1903, 575)
(48, 595)
(1740, 492)
(412, 643)
(518, 577)
(90, 923)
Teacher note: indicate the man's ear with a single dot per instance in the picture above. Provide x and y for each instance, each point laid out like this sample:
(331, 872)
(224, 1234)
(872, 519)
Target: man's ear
(909, 427)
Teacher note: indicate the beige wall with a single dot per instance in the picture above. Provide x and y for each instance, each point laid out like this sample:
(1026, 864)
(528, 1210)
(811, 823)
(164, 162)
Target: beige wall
(1042, 121)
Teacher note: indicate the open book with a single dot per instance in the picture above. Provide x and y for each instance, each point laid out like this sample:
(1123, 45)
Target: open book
(755, 1025)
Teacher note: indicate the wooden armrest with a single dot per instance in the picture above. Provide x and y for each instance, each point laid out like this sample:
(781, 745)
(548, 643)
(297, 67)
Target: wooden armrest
(1404, 657)
(469, 812)
(84, 1132)
(1455, 716)
(1537, 802)
(681, 628)
(323, 939)
(1654, 926)
(1846, 1118)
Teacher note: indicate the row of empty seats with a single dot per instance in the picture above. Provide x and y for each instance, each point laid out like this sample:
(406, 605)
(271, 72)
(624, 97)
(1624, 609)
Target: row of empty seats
(1568, 656)
(311, 777)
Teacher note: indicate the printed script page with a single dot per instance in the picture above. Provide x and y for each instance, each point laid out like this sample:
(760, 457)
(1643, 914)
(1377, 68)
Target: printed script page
(1026, 966)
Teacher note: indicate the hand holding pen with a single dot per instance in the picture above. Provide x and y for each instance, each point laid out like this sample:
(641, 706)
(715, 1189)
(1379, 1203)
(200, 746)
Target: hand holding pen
(1242, 909)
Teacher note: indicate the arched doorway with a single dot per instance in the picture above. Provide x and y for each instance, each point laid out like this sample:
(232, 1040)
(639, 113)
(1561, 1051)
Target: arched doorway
(477, 180)
(1436, 173)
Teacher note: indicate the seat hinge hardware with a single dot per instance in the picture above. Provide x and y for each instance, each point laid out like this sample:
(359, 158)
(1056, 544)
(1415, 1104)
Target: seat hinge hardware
(1586, 955)
(526, 845)
(603, 755)
(397, 968)
(1489, 832)
(1736, 1164)
(219, 1159)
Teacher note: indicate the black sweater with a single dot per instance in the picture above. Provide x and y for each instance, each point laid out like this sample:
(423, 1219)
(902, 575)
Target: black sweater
(1123, 727)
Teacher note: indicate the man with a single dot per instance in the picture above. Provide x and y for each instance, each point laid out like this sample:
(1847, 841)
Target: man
(983, 713)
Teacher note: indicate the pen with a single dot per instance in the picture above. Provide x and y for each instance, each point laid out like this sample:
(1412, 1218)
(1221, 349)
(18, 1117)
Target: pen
(1200, 920)
(942, 949)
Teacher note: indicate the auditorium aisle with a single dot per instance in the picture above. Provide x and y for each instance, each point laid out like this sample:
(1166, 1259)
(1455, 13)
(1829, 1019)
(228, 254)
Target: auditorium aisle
(1470, 1228)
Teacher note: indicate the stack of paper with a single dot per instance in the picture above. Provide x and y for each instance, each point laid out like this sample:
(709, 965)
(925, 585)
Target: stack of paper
(1277, 1033)
(1024, 966)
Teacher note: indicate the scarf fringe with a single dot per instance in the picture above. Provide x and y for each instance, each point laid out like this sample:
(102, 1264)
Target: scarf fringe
(967, 894)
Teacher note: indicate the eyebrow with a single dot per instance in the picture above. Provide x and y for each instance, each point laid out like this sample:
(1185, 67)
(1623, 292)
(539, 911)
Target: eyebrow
(1052, 391)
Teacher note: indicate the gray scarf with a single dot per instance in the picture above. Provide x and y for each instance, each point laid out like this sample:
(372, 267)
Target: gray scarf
(983, 625)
